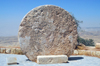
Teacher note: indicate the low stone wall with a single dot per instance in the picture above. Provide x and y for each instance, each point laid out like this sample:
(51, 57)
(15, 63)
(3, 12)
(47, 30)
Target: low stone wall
(87, 52)
(76, 52)
(11, 50)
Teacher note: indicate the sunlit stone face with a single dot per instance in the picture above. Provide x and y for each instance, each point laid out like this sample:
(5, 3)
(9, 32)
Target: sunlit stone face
(47, 30)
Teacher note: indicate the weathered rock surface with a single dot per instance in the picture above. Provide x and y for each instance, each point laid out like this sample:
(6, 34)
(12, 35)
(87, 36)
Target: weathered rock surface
(47, 30)
(50, 59)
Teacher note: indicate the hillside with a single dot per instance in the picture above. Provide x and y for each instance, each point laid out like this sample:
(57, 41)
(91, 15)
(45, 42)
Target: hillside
(91, 33)
(86, 33)
(9, 41)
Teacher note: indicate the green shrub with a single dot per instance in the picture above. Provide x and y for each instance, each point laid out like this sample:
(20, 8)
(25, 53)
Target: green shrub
(87, 42)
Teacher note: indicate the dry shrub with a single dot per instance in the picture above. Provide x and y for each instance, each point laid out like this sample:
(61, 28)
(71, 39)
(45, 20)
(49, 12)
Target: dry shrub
(80, 46)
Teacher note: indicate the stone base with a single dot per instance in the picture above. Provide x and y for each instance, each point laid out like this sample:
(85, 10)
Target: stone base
(51, 59)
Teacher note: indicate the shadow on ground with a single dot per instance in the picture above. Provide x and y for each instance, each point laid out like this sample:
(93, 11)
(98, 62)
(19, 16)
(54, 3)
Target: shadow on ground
(75, 58)
(28, 60)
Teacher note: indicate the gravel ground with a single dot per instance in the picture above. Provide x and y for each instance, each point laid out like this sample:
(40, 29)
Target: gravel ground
(79, 60)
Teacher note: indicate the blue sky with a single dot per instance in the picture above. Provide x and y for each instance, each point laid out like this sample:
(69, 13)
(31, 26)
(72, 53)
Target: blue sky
(12, 12)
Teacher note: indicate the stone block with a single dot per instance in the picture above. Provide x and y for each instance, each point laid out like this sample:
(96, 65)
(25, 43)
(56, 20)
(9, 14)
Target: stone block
(3, 50)
(11, 60)
(18, 51)
(97, 45)
(8, 50)
(93, 53)
(97, 53)
(88, 52)
(81, 52)
(51, 59)
(13, 51)
(75, 52)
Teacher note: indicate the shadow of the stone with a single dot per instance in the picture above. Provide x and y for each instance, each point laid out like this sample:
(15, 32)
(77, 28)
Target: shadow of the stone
(28, 60)
(13, 64)
(75, 58)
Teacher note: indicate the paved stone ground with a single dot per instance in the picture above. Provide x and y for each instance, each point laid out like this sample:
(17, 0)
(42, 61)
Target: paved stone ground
(75, 60)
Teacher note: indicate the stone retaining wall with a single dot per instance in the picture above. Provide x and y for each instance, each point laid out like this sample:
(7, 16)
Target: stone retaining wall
(11, 50)
(76, 52)
(87, 52)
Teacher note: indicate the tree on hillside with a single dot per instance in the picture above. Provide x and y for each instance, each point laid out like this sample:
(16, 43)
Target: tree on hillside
(87, 42)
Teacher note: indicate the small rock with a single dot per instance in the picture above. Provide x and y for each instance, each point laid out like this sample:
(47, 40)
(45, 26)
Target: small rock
(3, 50)
(75, 51)
(50, 59)
(8, 50)
(11, 60)
(97, 53)
(13, 51)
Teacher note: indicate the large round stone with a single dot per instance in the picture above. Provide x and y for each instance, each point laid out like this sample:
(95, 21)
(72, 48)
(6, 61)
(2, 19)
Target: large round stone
(47, 30)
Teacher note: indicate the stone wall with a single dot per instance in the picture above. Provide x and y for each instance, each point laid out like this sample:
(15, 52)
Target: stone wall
(87, 52)
(76, 52)
(11, 50)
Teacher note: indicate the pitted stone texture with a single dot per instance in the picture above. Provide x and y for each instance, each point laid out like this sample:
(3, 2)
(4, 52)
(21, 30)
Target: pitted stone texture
(47, 30)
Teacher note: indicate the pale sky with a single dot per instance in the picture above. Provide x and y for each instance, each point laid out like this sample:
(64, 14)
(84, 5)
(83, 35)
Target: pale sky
(12, 12)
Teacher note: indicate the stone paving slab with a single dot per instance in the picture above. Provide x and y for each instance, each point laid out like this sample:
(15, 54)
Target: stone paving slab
(75, 60)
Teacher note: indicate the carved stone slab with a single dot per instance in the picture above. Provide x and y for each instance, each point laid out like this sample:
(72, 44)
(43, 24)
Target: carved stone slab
(51, 59)
(47, 30)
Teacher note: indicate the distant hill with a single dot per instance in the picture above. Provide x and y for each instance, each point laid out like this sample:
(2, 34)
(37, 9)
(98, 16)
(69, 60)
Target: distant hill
(90, 33)
(9, 41)
(86, 33)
